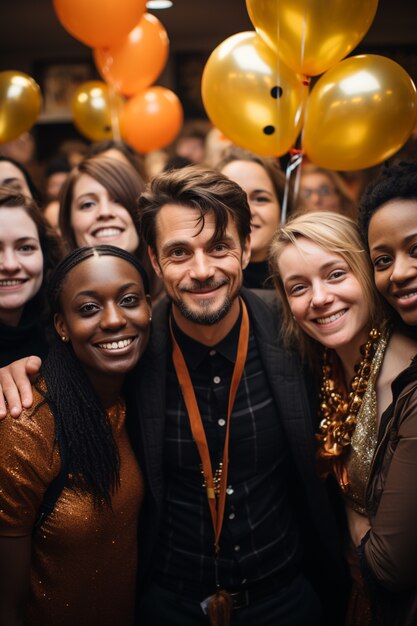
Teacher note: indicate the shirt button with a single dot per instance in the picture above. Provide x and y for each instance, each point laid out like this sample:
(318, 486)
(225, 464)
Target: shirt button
(212, 352)
(244, 581)
(232, 515)
(230, 491)
(216, 380)
(237, 548)
(221, 422)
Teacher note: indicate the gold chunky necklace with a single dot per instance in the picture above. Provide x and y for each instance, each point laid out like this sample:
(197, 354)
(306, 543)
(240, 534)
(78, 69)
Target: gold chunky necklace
(339, 414)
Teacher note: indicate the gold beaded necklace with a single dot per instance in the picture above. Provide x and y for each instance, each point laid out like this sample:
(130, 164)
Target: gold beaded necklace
(339, 414)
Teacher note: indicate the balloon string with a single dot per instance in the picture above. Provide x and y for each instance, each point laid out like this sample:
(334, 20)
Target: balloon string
(296, 158)
(114, 115)
(303, 36)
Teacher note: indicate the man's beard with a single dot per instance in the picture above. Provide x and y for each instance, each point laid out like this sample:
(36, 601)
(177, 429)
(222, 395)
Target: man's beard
(204, 316)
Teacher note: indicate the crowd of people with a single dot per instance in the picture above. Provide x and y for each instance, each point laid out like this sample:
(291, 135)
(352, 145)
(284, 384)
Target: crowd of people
(207, 415)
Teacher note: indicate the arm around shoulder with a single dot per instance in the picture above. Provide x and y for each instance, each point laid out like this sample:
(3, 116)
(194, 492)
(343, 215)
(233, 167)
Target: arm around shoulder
(15, 385)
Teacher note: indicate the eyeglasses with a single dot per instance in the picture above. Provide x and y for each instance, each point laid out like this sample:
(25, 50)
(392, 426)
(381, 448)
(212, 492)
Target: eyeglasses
(322, 192)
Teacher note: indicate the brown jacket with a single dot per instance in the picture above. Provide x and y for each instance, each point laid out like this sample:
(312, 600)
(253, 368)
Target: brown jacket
(388, 552)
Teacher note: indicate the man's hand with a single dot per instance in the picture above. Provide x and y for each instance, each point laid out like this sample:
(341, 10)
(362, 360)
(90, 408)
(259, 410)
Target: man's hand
(15, 385)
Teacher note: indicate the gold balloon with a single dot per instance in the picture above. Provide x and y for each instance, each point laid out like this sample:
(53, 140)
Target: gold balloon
(20, 104)
(359, 113)
(96, 109)
(252, 97)
(312, 35)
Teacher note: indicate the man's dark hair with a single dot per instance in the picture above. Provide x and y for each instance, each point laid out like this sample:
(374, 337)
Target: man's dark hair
(396, 182)
(200, 188)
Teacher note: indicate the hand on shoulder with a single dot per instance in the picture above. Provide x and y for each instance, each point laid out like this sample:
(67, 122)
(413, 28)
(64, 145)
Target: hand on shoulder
(15, 385)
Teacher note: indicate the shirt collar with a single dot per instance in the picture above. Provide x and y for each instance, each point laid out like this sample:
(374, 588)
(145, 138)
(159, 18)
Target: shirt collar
(195, 352)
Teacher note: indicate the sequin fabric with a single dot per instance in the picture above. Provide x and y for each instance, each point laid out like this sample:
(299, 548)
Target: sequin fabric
(363, 443)
(83, 558)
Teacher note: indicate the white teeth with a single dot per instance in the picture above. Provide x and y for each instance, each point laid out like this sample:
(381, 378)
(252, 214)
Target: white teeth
(407, 295)
(331, 318)
(116, 345)
(107, 232)
(10, 283)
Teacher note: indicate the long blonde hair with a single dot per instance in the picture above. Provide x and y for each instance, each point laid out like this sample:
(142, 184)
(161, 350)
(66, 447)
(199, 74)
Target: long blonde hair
(338, 234)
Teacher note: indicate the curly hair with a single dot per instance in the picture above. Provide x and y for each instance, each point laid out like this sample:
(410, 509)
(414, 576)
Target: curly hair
(394, 182)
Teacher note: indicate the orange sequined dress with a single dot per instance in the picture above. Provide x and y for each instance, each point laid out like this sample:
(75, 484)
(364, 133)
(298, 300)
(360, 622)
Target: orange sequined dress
(84, 559)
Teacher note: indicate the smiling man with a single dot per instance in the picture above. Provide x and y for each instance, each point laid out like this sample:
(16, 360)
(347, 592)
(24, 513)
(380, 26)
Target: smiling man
(236, 527)
(227, 435)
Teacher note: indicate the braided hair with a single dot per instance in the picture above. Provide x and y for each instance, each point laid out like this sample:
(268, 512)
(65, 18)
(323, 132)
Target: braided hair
(83, 429)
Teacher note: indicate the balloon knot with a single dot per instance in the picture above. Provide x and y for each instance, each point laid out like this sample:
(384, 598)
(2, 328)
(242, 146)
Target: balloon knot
(295, 152)
(306, 80)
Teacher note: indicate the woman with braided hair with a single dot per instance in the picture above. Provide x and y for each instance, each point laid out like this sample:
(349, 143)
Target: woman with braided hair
(70, 483)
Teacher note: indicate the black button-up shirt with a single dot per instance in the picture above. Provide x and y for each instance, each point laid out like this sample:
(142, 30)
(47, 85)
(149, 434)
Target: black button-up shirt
(259, 535)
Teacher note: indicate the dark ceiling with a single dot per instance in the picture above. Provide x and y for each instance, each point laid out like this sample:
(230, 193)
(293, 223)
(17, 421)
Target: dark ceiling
(31, 38)
(30, 31)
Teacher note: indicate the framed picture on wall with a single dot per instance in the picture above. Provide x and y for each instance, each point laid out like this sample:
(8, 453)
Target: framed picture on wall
(58, 81)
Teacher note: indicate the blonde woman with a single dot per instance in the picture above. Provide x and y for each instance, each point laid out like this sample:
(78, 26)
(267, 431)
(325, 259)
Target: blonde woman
(367, 437)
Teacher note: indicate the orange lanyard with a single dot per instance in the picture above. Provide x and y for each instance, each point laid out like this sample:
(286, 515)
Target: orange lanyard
(217, 505)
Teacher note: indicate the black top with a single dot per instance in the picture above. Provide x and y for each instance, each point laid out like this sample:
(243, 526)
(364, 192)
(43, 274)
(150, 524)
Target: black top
(26, 339)
(258, 276)
(259, 536)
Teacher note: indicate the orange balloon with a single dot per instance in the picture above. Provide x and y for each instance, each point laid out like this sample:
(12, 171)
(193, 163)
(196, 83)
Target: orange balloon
(151, 119)
(99, 23)
(137, 60)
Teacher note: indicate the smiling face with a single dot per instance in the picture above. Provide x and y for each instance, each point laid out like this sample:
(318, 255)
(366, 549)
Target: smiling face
(318, 193)
(97, 218)
(263, 203)
(21, 263)
(202, 277)
(325, 297)
(392, 239)
(105, 314)
(11, 176)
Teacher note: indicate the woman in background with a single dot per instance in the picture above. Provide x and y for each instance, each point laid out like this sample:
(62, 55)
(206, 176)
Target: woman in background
(264, 184)
(324, 190)
(121, 151)
(13, 174)
(98, 205)
(77, 564)
(368, 432)
(29, 250)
